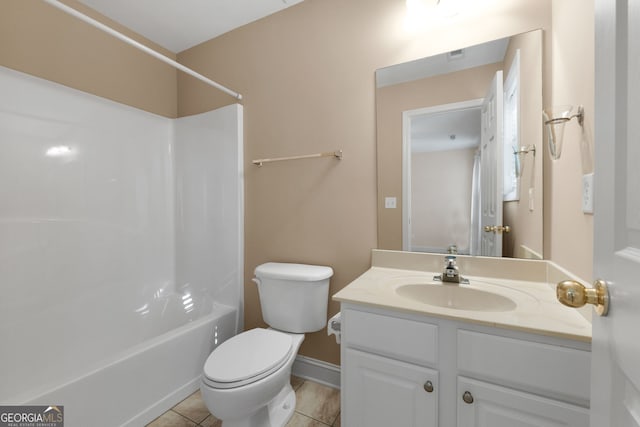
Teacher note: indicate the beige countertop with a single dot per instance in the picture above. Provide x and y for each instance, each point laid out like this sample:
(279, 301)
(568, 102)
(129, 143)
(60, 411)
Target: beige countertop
(536, 307)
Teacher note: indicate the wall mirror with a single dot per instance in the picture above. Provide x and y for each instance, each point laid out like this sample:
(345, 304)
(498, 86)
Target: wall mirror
(459, 143)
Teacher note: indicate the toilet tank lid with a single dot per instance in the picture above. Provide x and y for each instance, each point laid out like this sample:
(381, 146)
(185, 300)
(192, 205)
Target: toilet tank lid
(288, 271)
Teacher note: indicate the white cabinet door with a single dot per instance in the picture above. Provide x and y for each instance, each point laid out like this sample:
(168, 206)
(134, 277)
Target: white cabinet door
(495, 406)
(382, 392)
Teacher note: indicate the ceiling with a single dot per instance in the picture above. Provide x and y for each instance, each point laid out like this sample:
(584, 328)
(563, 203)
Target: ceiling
(180, 24)
(461, 59)
(444, 131)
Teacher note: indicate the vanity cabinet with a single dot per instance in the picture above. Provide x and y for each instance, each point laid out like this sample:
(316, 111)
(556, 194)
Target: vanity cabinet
(405, 369)
(389, 379)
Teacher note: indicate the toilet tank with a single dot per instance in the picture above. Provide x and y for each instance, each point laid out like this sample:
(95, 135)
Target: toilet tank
(293, 297)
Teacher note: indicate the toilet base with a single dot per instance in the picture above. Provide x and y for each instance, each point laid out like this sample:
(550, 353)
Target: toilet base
(281, 408)
(276, 414)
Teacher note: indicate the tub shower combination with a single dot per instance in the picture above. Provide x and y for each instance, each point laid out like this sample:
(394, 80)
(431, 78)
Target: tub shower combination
(120, 250)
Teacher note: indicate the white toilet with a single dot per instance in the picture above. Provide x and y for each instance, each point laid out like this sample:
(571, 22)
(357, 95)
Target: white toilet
(246, 379)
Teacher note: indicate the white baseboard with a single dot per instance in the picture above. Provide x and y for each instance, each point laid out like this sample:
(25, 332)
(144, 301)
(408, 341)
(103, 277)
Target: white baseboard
(168, 402)
(317, 370)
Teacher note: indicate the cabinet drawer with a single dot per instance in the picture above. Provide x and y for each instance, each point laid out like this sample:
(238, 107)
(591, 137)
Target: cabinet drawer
(403, 339)
(554, 371)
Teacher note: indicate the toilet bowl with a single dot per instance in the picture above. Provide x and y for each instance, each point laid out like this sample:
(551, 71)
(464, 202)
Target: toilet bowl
(246, 380)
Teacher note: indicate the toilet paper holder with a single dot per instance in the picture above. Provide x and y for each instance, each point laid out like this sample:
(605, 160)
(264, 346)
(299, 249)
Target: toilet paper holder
(334, 326)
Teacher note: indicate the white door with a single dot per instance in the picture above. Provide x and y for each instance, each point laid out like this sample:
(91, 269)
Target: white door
(491, 180)
(615, 388)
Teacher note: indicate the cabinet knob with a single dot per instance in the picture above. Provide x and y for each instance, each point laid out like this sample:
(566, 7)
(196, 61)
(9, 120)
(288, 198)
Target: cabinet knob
(428, 387)
(467, 397)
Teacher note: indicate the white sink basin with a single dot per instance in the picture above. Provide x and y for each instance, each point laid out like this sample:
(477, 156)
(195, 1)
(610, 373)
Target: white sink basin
(456, 297)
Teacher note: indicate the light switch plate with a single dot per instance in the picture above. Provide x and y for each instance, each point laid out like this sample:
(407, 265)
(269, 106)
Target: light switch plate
(587, 193)
(531, 203)
(390, 202)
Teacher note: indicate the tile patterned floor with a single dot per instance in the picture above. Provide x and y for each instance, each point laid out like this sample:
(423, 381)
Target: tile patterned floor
(316, 406)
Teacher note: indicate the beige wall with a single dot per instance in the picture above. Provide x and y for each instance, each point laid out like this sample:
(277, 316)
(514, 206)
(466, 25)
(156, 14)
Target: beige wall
(391, 101)
(569, 232)
(526, 223)
(40, 40)
(307, 75)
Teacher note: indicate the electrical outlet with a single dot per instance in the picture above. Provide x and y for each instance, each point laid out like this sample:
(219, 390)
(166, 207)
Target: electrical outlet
(390, 202)
(587, 193)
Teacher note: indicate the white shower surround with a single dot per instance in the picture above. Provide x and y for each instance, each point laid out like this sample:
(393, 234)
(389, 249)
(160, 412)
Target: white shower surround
(120, 243)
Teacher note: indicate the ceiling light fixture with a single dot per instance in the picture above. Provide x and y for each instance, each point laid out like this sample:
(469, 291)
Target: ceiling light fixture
(423, 13)
(58, 151)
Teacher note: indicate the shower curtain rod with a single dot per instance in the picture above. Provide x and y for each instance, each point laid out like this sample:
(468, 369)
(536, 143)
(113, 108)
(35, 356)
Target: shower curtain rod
(140, 46)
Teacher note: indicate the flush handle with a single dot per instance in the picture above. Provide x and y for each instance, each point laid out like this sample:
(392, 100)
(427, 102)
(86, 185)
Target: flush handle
(467, 397)
(428, 387)
(575, 294)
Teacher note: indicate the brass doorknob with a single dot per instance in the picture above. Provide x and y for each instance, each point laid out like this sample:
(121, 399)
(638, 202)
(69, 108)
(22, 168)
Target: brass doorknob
(574, 294)
(497, 229)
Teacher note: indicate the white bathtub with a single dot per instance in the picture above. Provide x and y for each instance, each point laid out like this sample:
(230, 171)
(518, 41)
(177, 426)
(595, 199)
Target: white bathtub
(141, 383)
(120, 250)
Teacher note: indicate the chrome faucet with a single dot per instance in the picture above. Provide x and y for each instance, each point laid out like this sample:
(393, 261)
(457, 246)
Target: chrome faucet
(451, 274)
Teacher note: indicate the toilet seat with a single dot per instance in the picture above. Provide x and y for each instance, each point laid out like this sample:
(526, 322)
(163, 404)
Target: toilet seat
(247, 358)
